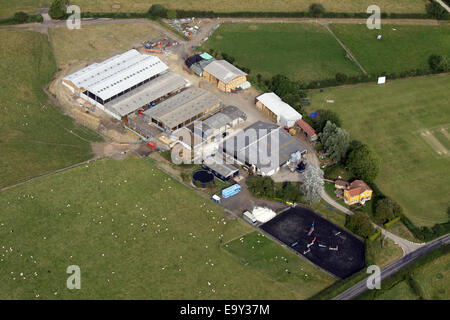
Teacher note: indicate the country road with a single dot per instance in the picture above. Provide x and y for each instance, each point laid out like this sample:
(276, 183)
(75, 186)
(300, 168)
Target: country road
(394, 267)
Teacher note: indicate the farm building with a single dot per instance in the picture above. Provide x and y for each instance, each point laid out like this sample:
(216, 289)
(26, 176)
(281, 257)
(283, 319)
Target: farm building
(226, 76)
(220, 122)
(263, 146)
(154, 91)
(279, 111)
(182, 109)
(220, 169)
(101, 83)
(306, 129)
(198, 62)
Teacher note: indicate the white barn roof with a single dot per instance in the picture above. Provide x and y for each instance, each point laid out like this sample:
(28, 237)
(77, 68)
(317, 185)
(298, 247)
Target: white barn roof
(117, 74)
(278, 106)
(223, 70)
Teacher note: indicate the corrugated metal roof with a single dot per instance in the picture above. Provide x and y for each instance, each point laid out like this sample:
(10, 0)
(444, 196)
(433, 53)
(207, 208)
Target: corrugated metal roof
(222, 118)
(117, 74)
(278, 106)
(183, 106)
(223, 70)
(145, 94)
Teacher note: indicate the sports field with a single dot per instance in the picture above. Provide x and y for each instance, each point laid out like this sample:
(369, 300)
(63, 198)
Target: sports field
(35, 137)
(402, 47)
(390, 119)
(7, 8)
(97, 41)
(300, 51)
(135, 233)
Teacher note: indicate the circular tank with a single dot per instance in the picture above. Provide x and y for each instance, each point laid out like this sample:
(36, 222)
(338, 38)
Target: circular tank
(202, 179)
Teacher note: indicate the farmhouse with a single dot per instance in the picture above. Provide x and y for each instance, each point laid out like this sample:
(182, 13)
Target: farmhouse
(306, 129)
(226, 76)
(357, 192)
(182, 109)
(104, 82)
(279, 111)
(264, 147)
(220, 122)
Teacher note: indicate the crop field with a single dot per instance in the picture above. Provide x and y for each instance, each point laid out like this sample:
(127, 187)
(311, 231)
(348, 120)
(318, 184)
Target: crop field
(135, 233)
(35, 137)
(402, 47)
(97, 41)
(8, 8)
(300, 51)
(388, 118)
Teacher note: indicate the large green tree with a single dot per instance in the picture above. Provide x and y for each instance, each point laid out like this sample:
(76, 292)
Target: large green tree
(386, 209)
(360, 223)
(364, 163)
(312, 185)
(324, 117)
(57, 9)
(335, 140)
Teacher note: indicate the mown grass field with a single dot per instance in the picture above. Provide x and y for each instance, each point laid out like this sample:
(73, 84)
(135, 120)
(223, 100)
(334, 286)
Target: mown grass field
(402, 47)
(303, 52)
(388, 118)
(35, 137)
(135, 233)
(97, 41)
(8, 8)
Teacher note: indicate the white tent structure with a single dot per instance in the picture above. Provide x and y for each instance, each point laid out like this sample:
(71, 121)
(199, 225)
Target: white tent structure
(279, 110)
(263, 214)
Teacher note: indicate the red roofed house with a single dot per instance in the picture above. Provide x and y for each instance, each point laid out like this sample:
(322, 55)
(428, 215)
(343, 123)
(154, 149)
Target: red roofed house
(306, 129)
(357, 192)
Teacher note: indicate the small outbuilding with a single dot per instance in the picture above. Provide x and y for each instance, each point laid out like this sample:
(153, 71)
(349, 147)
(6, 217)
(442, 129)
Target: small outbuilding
(306, 129)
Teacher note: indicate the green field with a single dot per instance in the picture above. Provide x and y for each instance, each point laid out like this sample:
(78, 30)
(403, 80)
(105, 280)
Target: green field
(35, 137)
(135, 233)
(7, 8)
(300, 51)
(388, 118)
(401, 47)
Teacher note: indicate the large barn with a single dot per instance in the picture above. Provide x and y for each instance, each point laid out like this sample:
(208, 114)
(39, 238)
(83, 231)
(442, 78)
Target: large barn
(263, 146)
(102, 84)
(277, 109)
(224, 75)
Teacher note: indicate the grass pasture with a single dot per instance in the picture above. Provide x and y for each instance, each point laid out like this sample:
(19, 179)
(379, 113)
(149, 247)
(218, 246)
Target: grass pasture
(97, 41)
(35, 137)
(135, 233)
(303, 52)
(8, 8)
(388, 117)
(401, 48)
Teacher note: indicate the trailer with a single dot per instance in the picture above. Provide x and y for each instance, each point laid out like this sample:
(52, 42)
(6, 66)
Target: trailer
(231, 191)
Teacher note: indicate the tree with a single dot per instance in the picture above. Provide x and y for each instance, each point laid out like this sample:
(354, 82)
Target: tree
(21, 17)
(435, 10)
(157, 10)
(335, 140)
(57, 9)
(171, 14)
(364, 163)
(312, 186)
(360, 223)
(316, 9)
(325, 116)
(386, 209)
(282, 85)
(341, 77)
(261, 186)
(438, 63)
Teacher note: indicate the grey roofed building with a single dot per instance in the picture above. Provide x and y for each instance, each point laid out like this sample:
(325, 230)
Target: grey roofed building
(183, 108)
(220, 169)
(223, 70)
(146, 94)
(199, 66)
(228, 116)
(254, 144)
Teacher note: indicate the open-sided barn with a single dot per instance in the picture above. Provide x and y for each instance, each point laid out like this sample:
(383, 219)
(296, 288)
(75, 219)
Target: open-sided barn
(226, 76)
(277, 109)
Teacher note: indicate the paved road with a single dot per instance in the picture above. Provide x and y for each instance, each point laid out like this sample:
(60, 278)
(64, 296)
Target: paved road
(394, 267)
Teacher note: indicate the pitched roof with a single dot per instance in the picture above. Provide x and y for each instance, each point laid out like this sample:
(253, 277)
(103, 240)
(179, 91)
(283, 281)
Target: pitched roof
(341, 183)
(357, 187)
(306, 127)
(223, 70)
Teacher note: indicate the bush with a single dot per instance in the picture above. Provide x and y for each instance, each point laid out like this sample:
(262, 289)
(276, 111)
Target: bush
(360, 224)
(341, 77)
(316, 10)
(386, 210)
(438, 63)
(57, 9)
(21, 17)
(261, 187)
(324, 117)
(171, 14)
(157, 11)
(435, 10)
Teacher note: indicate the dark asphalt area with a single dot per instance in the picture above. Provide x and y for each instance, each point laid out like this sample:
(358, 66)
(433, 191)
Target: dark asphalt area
(293, 225)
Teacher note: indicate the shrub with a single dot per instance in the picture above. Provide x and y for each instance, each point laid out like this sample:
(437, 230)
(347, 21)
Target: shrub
(360, 224)
(438, 63)
(435, 10)
(157, 11)
(171, 14)
(21, 17)
(386, 209)
(341, 77)
(325, 116)
(316, 9)
(57, 9)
